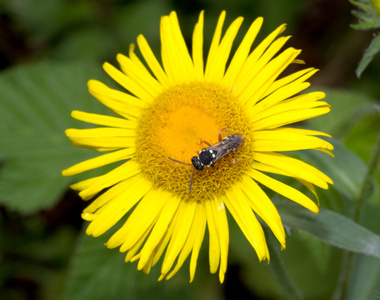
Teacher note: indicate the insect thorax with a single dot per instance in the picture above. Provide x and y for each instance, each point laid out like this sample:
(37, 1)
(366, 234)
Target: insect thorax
(206, 157)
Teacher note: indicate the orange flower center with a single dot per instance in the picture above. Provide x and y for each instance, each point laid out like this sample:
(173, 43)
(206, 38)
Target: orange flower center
(174, 126)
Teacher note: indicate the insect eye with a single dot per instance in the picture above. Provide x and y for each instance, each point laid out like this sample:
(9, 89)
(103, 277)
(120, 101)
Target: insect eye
(196, 163)
(206, 157)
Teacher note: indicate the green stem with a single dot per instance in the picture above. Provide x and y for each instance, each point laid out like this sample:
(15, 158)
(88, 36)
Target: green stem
(364, 195)
(368, 181)
(278, 270)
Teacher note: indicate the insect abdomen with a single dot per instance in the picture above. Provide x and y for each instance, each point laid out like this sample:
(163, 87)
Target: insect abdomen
(233, 142)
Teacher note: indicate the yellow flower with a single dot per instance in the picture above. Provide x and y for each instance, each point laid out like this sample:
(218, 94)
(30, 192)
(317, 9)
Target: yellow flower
(166, 113)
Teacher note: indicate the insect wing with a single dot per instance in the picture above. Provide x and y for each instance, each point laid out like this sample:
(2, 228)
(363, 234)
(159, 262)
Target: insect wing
(220, 150)
(227, 145)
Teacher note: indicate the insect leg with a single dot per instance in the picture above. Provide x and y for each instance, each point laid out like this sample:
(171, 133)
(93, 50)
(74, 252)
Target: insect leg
(231, 160)
(221, 135)
(204, 142)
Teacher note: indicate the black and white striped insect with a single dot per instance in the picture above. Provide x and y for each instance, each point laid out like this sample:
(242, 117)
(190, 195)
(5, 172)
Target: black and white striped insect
(213, 153)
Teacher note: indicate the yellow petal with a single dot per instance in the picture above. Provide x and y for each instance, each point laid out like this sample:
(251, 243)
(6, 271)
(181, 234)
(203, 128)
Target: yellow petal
(216, 68)
(139, 75)
(220, 218)
(296, 167)
(103, 120)
(179, 236)
(290, 81)
(215, 42)
(214, 243)
(102, 137)
(305, 101)
(175, 56)
(247, 221)
(289, 116)
(189, 244)
(241, 54)
(260, 84)
(256, 60)
(130, 257)
(109, 214)
(140, 220)
(99, 161)
(90, 187)
(120, 103)
(284, 190)
(264, 207)
(200, 219)
(282, 139)
(127, 83)
(152, 61)
(159, 230)
(198, 48)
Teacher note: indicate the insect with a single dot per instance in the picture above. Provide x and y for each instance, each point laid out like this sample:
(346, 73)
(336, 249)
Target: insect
(210, 155)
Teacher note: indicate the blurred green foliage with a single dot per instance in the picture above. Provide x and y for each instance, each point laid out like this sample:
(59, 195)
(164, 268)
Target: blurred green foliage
(48, 51)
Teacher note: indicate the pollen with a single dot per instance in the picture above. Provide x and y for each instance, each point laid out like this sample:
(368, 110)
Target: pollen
(177, 124)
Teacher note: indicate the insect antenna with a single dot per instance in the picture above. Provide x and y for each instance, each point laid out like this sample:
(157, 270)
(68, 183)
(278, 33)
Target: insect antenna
(180, 162)
(191, 181)
(191, 176)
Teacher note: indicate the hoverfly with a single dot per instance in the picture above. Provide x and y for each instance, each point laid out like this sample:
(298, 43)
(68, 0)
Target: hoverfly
(210, 155)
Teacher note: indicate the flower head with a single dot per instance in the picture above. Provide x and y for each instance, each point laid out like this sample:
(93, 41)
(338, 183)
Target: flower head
(179, 109)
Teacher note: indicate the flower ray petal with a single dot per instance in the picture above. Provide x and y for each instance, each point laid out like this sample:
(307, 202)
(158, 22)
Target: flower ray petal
(256, 60)
(159, 230)
(216, 69)
(241, 54)
(264, 207)
(110, 213)
(295, 166)
(175, 55)
(103, 120)
(247, 221)
(140, 220)
(198, 48)
(179, 236)
(198, 239)
(140, 76)
(152, 61)
(285, 118)
(254, 92)
(90, 187)
(121, 103)
(189, 244)
(214, 243)
(99, 161)
(127, 83)
(291, 80)
(215, 43)
(102, 138)
(284, 190)
(282, 139)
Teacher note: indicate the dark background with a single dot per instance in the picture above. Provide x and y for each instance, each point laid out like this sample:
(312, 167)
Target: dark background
(37, 248)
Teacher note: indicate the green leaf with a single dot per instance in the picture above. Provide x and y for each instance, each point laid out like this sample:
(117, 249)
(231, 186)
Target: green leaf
(346, 170)
(363, 16)
(347, 108)
(35, 105)
(369, 54)
(366, 25)
(366, 7)
(278, 269)
(332, 228)
(365, 278)
(99, 273)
